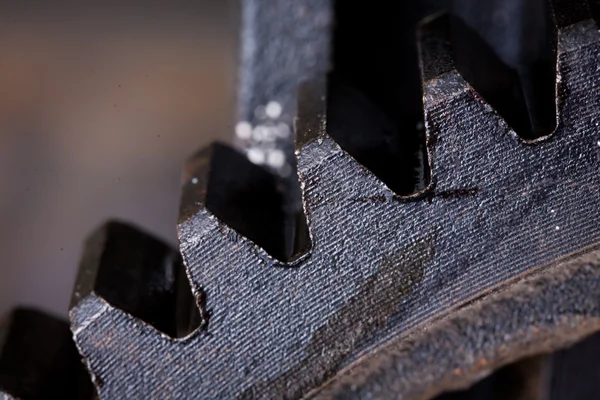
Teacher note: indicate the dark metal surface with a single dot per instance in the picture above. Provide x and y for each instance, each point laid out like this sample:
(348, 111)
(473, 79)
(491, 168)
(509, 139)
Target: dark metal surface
(374, 95)
(524, 380)
(282, 43)
(568, 374)
(506, 49)
(139, 274)
(38, 359)
(550, 309)
(358, 316)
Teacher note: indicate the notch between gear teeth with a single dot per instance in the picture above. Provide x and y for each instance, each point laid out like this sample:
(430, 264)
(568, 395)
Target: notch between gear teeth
(139, 275)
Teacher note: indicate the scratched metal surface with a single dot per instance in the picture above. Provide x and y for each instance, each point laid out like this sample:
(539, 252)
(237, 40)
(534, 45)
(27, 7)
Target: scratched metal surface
(379, 265)
(554, 307)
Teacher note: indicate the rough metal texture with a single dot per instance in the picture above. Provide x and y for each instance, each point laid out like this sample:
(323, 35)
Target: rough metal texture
(381, 267)
(538, 314)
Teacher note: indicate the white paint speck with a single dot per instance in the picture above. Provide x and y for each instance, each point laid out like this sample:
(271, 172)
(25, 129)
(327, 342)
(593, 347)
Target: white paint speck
(258, 133)
(552, 211)
(243, 130)
(194, 180)
(256, 156)
(598, 143)
(270, 134)
(273, 110)
(276, 158)
(557, 228)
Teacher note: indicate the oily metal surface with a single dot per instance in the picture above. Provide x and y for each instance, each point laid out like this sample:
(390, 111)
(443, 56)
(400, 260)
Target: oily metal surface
(380, 265)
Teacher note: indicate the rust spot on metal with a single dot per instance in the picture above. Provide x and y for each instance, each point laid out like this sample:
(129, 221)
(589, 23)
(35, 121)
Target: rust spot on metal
(481, 363)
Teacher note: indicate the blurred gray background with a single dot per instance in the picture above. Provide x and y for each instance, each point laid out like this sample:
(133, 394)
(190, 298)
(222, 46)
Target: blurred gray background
(100, 103)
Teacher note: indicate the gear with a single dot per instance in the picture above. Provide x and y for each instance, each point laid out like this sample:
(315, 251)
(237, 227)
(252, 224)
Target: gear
(350, 285)
(393, 293)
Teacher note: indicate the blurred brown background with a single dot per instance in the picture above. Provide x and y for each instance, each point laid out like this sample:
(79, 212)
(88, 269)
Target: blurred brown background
(100, 103)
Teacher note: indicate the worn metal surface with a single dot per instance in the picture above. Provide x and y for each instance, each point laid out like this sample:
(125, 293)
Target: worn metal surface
(550, 309)
(527, 379)
(383, 267)
(567, 374)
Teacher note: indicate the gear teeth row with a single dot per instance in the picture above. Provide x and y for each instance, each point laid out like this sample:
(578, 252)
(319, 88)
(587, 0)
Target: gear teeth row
(443, 87)
(38, 359)
(379, 264)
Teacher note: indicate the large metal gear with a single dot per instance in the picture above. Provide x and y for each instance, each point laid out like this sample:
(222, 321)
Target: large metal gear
(355, 283)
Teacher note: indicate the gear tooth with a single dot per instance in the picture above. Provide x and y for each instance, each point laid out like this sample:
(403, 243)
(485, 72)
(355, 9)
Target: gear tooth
(374, 110)
(576, 27)
(311, 123)
(458, 121)
(39, 360)
(513, 70)
(450, 107)
(126, 269)
(131, 298)
(114, 344)
(228, 195)
(316, 148)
